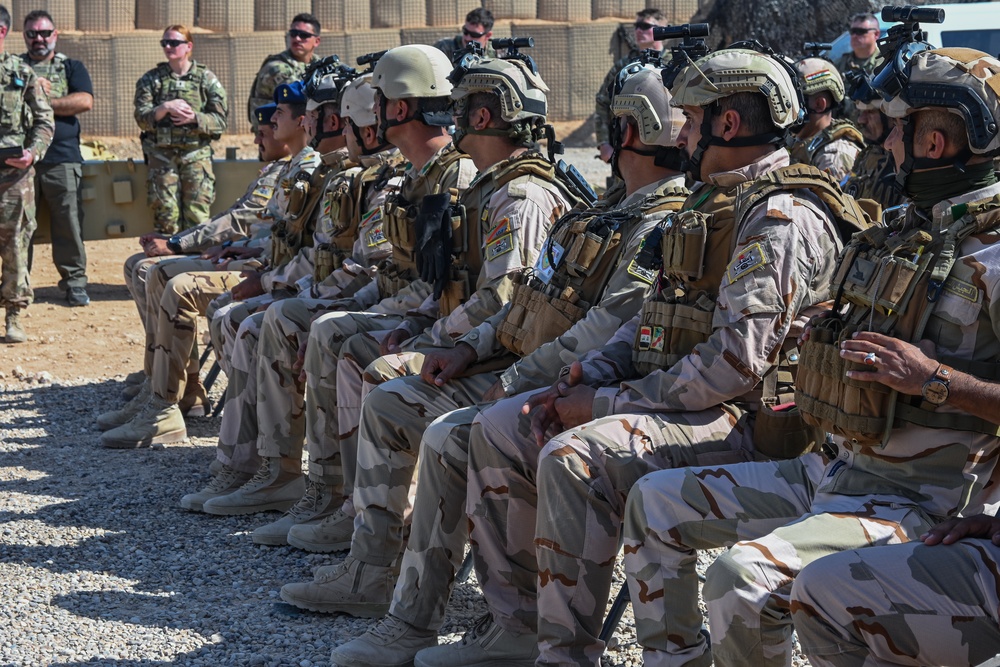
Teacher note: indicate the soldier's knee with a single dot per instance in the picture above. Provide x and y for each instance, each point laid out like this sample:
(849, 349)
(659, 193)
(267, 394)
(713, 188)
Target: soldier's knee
(732, 571)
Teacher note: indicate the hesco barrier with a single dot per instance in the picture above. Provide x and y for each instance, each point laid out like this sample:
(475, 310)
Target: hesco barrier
(230, 38)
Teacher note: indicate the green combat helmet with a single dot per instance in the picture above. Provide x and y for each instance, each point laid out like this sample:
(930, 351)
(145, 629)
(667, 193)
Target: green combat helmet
(414, 71)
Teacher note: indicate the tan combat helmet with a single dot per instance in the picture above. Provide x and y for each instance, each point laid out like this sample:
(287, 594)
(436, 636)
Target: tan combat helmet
(818, 75)
(357, 101)
(521, 93)
(414, 71)
(642, 97)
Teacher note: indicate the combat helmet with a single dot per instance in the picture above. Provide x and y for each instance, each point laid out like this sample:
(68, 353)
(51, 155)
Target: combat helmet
(413, 71)
(357, 104)
(963, 82)
(639, 94)
(521, 92)
(819, 75)
(739, 70)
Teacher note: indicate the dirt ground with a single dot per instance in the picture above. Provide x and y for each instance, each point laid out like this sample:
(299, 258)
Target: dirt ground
(101, 340)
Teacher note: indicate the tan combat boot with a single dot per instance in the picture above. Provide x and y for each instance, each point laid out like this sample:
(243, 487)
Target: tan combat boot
(271, 488)
(195, 401)
(159, 422)
(487, 643)
(15, 333)
(114, 418)
(333, 533)
(224, 481)
(392, 642)
(317, 504)
(354, 588)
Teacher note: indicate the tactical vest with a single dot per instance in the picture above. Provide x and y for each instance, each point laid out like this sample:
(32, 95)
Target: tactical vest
(15, 115)
(805, 151)
(577, 261)
(874, 177)
(401, 210)
(297, 68)
(890, 278)
(189, 88)
(54, 70)
(295, 230)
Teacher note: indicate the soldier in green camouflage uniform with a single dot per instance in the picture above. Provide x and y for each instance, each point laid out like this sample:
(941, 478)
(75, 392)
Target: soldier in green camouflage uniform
(584, 306)
(287, 66)
(478, 28)
(180, 106)
(509, 209)
(905, 455)
(677, 386)
(26, 128)
(827, 143)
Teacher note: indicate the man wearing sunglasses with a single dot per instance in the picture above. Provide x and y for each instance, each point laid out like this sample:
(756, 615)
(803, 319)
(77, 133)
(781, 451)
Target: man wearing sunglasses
(57, 176)
(642, 39)
(864, 45)
(287, 66)
(478, 28)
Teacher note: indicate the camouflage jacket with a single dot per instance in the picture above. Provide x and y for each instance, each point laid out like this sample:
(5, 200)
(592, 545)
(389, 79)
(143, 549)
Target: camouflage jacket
(833, 150)
(199, 87)
(26, 118)
(782, 260)
(874, 177)
(276, 69)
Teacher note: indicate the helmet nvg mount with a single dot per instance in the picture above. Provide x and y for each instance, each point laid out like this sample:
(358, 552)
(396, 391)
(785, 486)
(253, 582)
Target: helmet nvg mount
(639, 94)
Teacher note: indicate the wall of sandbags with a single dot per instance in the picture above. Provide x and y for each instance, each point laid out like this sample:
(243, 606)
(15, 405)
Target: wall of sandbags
(118, 40)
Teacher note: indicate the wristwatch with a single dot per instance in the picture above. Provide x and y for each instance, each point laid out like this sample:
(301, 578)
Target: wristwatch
(935, 390)
(174, 245)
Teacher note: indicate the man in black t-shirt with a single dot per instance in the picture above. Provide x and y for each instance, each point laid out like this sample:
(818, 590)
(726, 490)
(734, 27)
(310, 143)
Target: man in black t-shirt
(57, 175)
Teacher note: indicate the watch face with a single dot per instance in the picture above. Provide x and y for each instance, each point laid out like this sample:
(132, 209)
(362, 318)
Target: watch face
(935, 391)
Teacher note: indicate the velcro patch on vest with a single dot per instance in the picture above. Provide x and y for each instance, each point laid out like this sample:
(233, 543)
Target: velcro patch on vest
(656, 344)
(544, 269)
(263, 191)
(376, 237)
(749, 260)
(500, 246)
(645, 337)
(961, 289)
(503, 227)
(638, 271)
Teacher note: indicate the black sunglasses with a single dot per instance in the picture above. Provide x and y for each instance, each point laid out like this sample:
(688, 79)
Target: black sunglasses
(45, 34)
(642, 25)
(301, 34)
(472, 34)
(862, 31)
(172, 43)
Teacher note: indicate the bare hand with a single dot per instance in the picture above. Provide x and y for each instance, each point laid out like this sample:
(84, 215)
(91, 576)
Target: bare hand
(156, 247)
(213, 253)
(249, 287)
(494, 393)
(46, 85)
(564, 399)
(952, 530)
(183, 115)
(898, 364)
(26, 160)
(606, 151)
(232, 254)
(390, 344)
(442, 364)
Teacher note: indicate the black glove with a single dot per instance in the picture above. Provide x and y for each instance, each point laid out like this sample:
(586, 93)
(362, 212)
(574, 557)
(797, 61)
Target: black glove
(434, 241)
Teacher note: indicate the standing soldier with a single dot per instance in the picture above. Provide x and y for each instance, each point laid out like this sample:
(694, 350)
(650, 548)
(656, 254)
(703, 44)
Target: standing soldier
(26, 130)
(863, 54)
(180, 106)
(67, 83)
(287, 66)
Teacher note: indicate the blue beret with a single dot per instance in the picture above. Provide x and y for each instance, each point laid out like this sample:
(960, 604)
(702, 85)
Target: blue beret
(264, 113)
(290, 93)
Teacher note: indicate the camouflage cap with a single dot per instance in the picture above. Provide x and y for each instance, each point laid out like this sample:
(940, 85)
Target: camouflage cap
(643, 98)
(818, 75)
(962, 81)
(357, 102)
(414, 70)
(731, 71)
(290, 93)
(263, 113)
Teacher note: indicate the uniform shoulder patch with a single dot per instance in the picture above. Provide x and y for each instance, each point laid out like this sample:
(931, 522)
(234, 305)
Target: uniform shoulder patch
(638, 271)
(748, 260)
(500, 246)
(961, 289)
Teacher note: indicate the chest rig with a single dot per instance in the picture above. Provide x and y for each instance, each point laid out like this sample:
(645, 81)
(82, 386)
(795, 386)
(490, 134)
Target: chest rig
(295, 230)
(578, 258)
(804, 151)
(15, 116)
(400, 210)
(874, 177)
(55, 71)
(891, 279)
(343, 208)
(191, 89)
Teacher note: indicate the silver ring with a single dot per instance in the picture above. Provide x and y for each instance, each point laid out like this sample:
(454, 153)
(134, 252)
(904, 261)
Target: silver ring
(870, 359)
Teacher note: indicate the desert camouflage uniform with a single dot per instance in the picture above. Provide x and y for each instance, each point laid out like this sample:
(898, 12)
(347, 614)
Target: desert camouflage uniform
(868, 495)
(400, 291)
(350, 217)
(241, 221)
(689, 409)
(26, 121)
(874, 177)
(522, 207)
(276, 69)
(906, 604)
(439, 529)
(180, 157)
(833, 150)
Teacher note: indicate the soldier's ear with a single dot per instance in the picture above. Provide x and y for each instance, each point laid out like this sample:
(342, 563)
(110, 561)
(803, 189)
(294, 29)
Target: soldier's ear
(731, 124)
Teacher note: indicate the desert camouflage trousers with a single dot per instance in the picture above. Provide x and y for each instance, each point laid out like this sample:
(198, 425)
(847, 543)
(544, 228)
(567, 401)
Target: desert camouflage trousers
(17, 225)
(178, 293)
(779, 525)
(225, 318)
(180, 189)
(906, 604)
(394, 416)
(136, 268)
(328, 463)
(546, 523)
